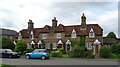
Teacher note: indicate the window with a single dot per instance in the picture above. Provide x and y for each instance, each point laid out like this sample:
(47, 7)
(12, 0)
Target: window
(44, 36)
(31, 35)
(58, 35)
(73, 35)
(11, 37)
(91, 33)
(19, 36)
(88, 46)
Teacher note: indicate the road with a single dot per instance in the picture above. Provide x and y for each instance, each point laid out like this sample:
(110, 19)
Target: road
(58, 61)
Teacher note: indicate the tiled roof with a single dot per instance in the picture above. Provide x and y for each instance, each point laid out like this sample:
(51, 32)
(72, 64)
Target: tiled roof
(8, 32)
(60, 28)
(66, 29)
(110, 40)
(97, 29)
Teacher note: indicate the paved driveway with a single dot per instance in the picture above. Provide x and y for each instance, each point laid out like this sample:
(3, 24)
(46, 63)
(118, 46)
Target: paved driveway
(58, 61)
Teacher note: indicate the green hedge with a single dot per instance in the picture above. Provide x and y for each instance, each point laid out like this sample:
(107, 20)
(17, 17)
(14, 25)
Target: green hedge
(115, 48)
(105, 52)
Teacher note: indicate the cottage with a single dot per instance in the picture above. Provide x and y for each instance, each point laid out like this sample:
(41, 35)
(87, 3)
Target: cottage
(60, 36)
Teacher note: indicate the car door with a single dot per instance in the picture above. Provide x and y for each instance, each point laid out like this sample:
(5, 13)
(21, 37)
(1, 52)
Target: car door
(35, 55)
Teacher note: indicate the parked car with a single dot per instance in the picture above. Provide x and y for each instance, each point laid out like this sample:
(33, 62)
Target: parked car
(8, 53)
(38, 53)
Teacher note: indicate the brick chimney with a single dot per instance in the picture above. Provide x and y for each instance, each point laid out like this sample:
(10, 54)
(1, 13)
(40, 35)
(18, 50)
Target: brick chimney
(54, 23)
(30, 25)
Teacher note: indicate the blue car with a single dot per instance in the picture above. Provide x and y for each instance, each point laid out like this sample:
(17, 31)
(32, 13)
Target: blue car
(38, 53)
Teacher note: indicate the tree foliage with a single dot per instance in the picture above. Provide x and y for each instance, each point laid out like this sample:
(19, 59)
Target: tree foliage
(20, 46)
(111, 35)
(7, 43)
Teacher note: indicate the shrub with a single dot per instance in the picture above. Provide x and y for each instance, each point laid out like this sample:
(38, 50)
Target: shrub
(90, 56)
(20, 46)
(66, 56)
(105, 52)
(20, 53)
(115, 56)
(55, 53)
(78, 51)
(61, 50)
(28, 50)
(115, 48)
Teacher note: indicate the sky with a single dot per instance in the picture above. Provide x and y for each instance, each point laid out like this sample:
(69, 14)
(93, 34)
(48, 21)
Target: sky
(15, 14)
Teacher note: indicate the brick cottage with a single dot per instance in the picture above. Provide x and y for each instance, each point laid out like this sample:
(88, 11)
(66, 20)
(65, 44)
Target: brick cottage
(60, 36)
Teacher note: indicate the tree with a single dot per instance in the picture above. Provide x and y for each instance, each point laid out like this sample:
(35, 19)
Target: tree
(105, 52)
(111, 35)
(7, 43)
(20, 46)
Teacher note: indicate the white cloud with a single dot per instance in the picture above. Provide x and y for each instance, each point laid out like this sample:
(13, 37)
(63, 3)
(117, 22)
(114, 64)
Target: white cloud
(15, 14)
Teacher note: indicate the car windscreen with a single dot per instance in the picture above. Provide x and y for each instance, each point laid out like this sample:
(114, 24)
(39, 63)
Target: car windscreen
(8, 50)
(39, 50)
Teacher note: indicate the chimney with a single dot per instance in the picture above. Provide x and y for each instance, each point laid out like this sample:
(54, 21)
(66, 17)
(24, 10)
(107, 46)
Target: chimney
(30, 25)
(54, 23)
(83, 22)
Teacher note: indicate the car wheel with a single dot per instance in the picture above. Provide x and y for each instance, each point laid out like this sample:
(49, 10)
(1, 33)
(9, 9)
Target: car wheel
(27, 57)
(43, 57)
(10, 56)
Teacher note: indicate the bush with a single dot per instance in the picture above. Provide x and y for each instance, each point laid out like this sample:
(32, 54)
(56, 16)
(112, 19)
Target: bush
(20, 53)
(105, 52)
(90, 56)
(66, 56)
(115, 56)
(61, 50)
(78, 51)
(115, 48)
(56, 54)
(20, 46)
(7, 43)
(28, 50)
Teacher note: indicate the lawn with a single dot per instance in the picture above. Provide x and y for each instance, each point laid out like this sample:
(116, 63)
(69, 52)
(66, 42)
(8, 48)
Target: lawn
(5, 65)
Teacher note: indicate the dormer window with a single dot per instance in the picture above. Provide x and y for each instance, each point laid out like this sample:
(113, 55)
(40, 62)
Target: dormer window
(19, 36)
(73, 34)
(31, 35)
(91, 33)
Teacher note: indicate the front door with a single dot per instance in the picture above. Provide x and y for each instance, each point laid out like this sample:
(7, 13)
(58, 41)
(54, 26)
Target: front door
(96, 49)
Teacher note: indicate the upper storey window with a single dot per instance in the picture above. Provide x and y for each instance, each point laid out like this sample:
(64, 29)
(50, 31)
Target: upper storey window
(19, 36)
(44, 36)
(91, 33)
(73, 34)
(31, 35)
(58, 35)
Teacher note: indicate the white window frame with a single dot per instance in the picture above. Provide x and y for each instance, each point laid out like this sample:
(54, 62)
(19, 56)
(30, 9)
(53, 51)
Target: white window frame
(44, 36)
(88, 46)
(58, 35)
(31, 35)
(11, 37)
(73, 34)
(19, 36)
(91, 33)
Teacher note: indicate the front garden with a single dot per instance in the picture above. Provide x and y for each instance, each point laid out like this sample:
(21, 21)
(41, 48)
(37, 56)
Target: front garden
(78, 51)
